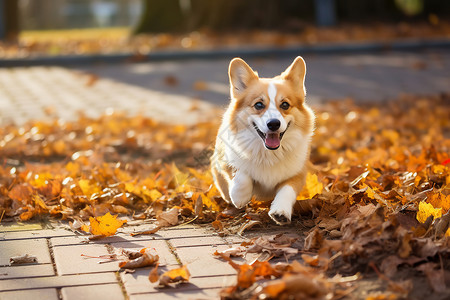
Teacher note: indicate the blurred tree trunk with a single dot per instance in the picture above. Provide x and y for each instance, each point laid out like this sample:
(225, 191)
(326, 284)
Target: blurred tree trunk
(160, 16)
(9, 19)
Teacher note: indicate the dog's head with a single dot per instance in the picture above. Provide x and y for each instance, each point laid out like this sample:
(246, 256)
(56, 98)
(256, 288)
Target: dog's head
(270, 106)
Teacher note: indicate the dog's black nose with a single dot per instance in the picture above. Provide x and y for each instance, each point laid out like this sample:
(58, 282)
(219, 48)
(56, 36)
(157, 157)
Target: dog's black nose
(273, 124)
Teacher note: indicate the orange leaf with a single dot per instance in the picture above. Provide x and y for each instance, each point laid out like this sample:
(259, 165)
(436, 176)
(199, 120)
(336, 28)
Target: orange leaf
(106, 225)
(154, 276)
(176, 275)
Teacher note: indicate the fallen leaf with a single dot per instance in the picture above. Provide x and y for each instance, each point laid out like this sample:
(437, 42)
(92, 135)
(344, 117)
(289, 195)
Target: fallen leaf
(147, 259)
(168, 218)
(106, 225)
(175, 276)
(146, 231)
(426, 210)
(153, 276)
(233, 251)
(312, 187)
(22, 259)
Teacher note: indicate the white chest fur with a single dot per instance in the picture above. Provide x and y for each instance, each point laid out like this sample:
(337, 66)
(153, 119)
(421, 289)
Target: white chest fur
(245, 152)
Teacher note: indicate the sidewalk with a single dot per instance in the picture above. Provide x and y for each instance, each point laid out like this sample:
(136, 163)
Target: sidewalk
(167, 90)
(61, 271)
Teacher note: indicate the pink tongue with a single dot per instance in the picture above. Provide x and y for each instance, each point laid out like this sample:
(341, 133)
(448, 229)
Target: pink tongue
(272, 140)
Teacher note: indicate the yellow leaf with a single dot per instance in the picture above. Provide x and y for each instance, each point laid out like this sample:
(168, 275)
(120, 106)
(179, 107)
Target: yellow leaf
(312, 187)
(88, 188)
(370, 193)
(85, 228)
(150, 195)
(211, 204)
(447, 233)
(180, 177)
(426, 210)
(40, 202)
(440, 200)
(105, 225)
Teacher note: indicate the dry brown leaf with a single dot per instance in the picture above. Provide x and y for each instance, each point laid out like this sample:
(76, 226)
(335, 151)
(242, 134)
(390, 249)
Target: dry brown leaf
(233, 251)
(146, 231)
(22, 259)
(314, 240)
(168, 218)
(147, 259)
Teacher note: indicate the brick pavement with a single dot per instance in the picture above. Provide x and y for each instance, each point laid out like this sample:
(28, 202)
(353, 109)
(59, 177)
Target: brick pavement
(40, 93)
(61, 272)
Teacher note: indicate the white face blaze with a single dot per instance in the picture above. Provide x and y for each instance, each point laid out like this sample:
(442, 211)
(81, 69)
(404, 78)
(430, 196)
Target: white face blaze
(272, 112)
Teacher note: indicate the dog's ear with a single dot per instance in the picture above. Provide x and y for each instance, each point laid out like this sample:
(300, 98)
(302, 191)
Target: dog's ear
(241, 75)
(295, 73)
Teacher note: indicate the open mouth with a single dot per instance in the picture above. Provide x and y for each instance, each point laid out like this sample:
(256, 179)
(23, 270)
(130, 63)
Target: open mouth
(272, 140)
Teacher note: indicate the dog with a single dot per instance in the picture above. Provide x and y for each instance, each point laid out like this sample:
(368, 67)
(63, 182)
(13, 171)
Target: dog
(263, 144)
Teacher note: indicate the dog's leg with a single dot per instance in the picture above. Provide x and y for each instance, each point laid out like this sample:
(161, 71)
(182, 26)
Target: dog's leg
(281, 208)
(241, 189)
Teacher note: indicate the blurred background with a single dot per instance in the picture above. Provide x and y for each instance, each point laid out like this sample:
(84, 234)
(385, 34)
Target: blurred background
(109, 26)
(64, 56)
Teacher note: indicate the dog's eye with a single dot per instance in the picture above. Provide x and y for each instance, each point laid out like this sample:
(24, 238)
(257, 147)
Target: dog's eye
(284, 105)
(259, 105)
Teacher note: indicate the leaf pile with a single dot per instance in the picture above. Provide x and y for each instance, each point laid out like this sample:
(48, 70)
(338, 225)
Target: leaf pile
(377, 200)
(116, 40)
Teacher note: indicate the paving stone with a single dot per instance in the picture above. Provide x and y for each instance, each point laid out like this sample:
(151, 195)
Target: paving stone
(197, 241)
(181, 233)
(93, 292)
(47, 294)
(57, 281)
(166, 256)
(138, 283)
(41, 234)
(26, 271)
(68, 259)
(41, 84)
(36, 247)
(175, 294)
(20, 227)
(76, 240)
(201, 261)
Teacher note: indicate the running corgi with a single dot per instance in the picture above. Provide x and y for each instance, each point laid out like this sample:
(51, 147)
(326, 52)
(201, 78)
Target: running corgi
(263, 143)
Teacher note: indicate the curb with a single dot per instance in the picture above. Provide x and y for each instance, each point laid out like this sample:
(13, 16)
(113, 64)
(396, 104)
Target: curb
(250, 52)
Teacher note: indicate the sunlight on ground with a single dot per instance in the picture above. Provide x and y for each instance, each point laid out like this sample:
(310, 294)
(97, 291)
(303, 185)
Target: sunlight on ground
(88, 33)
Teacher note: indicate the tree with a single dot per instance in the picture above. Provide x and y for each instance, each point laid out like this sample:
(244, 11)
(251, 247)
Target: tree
(9, 20)
(160, 16)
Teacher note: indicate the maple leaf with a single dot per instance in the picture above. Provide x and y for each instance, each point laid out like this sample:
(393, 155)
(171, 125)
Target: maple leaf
(312, 187)
(426, 210)
(105, 225)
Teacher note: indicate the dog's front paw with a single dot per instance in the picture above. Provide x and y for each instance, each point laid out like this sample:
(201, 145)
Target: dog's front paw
(280, 217)
(239, 202)
(241, 190)
(281, 208)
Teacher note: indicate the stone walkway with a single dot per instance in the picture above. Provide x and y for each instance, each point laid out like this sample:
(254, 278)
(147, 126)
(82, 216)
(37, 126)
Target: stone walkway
(187, 91)
(61, 272)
